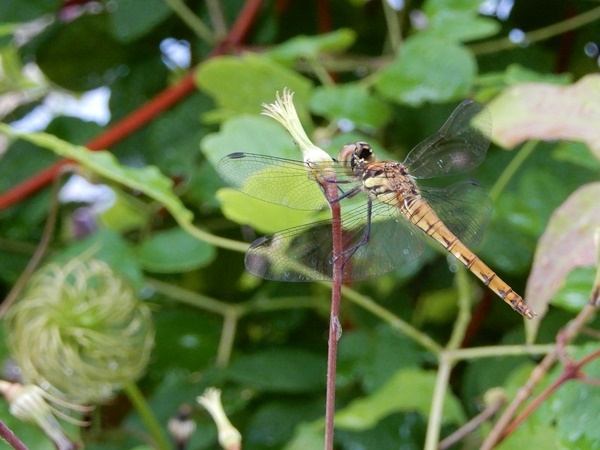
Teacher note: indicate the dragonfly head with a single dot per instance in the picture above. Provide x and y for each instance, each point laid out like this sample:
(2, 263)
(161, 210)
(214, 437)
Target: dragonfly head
(352, 155)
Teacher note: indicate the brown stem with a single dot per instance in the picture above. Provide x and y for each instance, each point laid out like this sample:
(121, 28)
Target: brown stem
(570, 372)
(331, 193)
(472, 424)
(39, 253)
(10, 437)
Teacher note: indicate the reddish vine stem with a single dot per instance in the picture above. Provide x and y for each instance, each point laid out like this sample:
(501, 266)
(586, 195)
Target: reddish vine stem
(10, 437)
(566, 336)
(335, 331)
(141, 116)
(570, 372)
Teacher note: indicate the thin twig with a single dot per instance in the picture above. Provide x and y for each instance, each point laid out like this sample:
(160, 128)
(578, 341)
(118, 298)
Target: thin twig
(511, 169)
(538, 35)
(40, 251)
(472, 424)
(192, 20)
(10, 438)
(570, 372)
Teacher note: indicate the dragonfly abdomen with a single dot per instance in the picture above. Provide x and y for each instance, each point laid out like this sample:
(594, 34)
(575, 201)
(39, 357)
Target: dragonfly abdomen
(418, 211)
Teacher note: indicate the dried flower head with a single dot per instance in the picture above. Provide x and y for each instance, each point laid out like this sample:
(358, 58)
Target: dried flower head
(284, 112)
(79, 331)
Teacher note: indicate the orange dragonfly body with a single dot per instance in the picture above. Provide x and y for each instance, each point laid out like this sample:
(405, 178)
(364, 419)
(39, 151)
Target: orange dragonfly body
(386, 211)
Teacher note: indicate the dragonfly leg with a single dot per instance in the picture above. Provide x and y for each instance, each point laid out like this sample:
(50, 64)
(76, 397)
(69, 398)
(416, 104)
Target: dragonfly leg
(350, 193)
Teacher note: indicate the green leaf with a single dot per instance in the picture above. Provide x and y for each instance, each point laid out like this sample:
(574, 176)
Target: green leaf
(81, 54)
(568, 242)
(130, 22)
(252, 134)
(306, 437)
(274, 423)
(576, 290)
(19, 11)
(185, 338)
(351, 102)
(577, 154)
(125, 214)
(240, 85)
(428, 70)
(264, 216)
(459, 26)
(574, 405)
(529, 435)
(312, 46)
(408, 390)
(147, 180)
(371, 357)
(174, 251)
(109, 247)
(281, 370)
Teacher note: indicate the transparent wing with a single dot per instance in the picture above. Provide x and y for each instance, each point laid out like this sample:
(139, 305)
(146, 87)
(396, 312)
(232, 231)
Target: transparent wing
(459, 146)
(282, 181)
(464, 207)
(305, 253)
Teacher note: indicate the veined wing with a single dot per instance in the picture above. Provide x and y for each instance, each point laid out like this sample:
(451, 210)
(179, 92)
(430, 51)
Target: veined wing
(459, 146)
(278, 180)
(305, 253)
(464, 207)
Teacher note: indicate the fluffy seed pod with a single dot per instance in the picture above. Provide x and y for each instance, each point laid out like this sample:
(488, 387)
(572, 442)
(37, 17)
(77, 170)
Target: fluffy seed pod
(79, 331)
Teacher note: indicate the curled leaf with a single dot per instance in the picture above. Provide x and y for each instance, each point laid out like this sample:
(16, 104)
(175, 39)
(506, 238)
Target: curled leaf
(548, 112)
(567, 242)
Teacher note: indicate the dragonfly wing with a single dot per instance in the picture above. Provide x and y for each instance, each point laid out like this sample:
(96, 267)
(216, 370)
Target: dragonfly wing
(392, 243)
(297, 254)
(459, 146)
(276, 180)
(464, 207)
(305, 253)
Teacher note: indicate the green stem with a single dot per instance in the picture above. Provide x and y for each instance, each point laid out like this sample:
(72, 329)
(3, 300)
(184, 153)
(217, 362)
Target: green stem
(437, 403)
(143, 409)
(209, 238)
(512, 169)
(227, 338)
(464, 309)
(393, 26)
(539, 35)
(191, 20)
(500, 350)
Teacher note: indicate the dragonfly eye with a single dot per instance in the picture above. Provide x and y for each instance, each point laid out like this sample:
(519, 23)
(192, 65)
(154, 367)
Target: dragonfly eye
(346, 155)
(364, 152)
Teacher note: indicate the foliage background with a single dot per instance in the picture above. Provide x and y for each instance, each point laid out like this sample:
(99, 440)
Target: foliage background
(393, 76)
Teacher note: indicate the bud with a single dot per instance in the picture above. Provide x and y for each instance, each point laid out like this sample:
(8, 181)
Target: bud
(32, 404)
(229, 437)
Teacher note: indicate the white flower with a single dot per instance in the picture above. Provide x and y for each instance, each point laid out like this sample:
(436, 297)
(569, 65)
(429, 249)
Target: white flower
(284, 112)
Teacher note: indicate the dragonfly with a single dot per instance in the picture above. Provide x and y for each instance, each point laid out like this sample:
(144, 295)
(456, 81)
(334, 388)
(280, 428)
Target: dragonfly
(387, 214)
